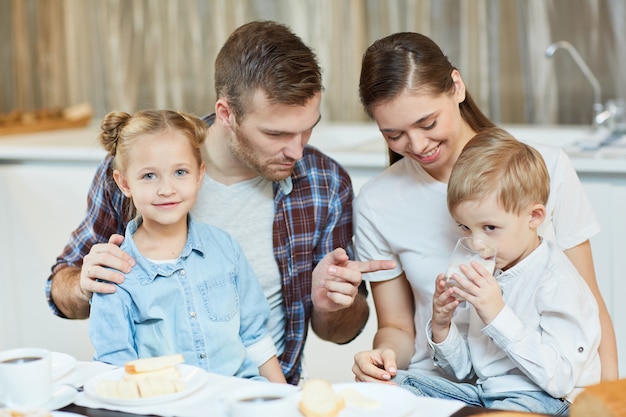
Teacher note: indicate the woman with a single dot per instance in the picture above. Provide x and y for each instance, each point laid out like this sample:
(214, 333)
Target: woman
(421, 106)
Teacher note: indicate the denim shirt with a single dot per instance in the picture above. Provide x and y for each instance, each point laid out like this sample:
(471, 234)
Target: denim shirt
(208, 305)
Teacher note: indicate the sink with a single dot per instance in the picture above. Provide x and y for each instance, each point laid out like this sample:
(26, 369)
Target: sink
(564, 136)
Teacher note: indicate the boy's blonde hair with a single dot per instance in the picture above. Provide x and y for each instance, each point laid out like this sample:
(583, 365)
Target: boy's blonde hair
(494, 161)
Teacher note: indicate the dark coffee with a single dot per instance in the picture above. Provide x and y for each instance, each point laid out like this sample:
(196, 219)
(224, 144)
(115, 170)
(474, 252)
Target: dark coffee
(259, 399)
(22, 360)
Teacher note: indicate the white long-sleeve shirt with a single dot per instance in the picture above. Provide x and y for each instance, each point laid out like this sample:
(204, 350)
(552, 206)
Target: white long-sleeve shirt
(546, 337)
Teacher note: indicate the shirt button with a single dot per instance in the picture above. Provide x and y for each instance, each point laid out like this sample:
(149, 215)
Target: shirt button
(581, 349)
(203, 356)
(192, 314)
(182, 272)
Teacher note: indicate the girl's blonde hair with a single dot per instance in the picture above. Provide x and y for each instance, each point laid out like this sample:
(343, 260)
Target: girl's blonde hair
(494, 161)
(118, 129)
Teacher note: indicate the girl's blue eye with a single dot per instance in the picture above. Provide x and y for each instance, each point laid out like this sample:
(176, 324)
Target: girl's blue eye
(149, 176)
(181, 172)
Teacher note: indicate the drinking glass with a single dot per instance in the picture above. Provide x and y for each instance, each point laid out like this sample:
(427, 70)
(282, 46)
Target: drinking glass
(468, 249)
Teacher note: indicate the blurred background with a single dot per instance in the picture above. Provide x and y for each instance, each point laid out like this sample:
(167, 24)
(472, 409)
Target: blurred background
(133, 54)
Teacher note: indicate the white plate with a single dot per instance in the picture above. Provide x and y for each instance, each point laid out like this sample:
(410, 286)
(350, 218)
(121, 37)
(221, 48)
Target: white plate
(62, 363)
(392, 400)
(192, 376)
(65, 414)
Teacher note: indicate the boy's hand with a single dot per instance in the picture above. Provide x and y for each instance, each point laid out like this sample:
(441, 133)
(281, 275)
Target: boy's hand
(479, 288)
(444, 306)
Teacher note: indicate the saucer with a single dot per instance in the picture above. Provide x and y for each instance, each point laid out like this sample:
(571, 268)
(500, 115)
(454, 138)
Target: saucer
(62, 395)
(62, 364)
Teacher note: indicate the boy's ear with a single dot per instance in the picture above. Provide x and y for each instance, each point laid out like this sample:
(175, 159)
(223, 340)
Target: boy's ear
(537, 215)
(122, 183)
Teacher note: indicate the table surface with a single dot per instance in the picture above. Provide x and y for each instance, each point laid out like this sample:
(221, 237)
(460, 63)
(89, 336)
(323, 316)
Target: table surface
(205, 401)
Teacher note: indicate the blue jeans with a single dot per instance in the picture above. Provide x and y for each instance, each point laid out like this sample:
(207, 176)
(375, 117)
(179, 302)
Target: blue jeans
(471, 394)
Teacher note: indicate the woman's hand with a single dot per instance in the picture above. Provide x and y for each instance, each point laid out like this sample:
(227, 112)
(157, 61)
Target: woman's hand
(378, 365)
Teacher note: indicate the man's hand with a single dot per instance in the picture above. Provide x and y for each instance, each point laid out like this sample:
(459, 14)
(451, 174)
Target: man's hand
(336, 280)
(97, 262)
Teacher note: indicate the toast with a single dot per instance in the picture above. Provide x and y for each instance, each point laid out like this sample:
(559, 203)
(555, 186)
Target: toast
(146, 377)
(605, 399)
(319, 400)
(171, 372)
(153, 364)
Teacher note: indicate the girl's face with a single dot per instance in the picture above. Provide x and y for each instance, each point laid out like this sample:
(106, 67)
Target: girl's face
(428, 129)
(162, 177)
(513, 235)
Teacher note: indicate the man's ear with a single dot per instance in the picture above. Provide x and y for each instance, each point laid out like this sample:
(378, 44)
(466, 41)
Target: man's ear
(121, 182)
(537, 215)
(223, 113)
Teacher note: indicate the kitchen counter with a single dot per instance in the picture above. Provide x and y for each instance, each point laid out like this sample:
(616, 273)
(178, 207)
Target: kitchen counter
(352, 145)
(44, 178)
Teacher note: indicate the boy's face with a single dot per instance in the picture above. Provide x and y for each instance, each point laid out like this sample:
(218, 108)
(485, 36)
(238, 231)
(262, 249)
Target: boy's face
(513, 235)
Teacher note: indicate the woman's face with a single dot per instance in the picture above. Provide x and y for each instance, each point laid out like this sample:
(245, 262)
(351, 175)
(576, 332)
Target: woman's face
(426, 128)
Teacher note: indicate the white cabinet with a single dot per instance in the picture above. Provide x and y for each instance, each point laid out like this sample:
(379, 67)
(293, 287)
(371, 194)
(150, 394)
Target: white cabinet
(608, 198)
(40, 205)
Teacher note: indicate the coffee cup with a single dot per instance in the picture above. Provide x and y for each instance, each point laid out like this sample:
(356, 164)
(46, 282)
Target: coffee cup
(261, 399)
(25, 377)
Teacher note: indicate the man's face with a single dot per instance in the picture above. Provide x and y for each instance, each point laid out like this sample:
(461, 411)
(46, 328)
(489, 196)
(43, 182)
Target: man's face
(271, 137)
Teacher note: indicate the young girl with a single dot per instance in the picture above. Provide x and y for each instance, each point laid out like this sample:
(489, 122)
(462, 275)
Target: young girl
(426, 116)
(192, 290)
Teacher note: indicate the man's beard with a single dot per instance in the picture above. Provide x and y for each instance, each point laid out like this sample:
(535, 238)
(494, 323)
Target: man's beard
(243, 151)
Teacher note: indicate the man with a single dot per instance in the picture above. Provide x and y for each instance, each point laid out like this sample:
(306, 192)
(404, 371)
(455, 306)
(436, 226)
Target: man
(288, 205)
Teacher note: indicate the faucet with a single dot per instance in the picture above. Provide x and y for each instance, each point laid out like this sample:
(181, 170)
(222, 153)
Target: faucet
(599, 114)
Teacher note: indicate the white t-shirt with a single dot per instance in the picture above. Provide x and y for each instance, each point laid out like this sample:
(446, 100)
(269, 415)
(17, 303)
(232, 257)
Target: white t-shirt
(246, 211)
(402, 215)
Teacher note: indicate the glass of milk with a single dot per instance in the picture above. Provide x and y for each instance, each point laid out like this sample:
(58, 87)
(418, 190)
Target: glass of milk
(468, 249)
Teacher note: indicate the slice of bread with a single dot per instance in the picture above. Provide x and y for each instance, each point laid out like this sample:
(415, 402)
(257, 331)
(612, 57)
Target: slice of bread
(606, 399)
(153, 364)
(171, 372)
(154, 387)
(116, 389)
(319, 400)
(143, 388)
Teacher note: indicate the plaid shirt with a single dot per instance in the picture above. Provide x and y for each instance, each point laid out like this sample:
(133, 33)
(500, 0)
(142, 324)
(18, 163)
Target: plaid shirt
(312, 217)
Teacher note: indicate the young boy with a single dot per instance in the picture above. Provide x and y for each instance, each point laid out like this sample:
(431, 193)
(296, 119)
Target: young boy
(527, 338)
